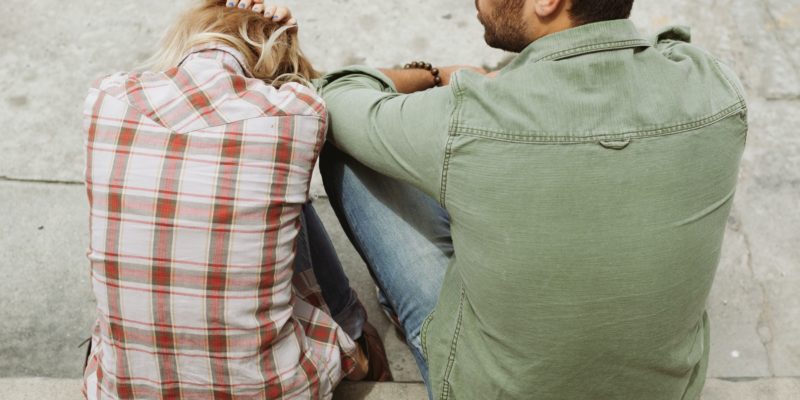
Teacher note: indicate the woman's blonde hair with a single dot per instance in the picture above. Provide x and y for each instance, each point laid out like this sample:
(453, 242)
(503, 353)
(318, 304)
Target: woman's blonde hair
(271, 51)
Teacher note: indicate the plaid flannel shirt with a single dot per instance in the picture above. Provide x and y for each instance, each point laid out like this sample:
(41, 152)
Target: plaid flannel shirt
(195, 178)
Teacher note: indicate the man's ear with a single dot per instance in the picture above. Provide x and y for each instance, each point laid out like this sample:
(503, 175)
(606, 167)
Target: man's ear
(547, 8)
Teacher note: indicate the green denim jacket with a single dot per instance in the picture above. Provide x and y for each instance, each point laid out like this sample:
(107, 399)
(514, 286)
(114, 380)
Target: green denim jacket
(589, 186)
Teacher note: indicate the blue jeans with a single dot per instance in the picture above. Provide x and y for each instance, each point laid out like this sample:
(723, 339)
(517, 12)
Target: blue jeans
(402, 234)
(315, 251)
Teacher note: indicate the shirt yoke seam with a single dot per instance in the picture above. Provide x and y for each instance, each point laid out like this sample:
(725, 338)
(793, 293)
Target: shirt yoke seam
(234, 121)
(554, 138)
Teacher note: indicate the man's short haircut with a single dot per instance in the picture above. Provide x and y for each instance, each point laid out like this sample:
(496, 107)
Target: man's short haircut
(588, 11)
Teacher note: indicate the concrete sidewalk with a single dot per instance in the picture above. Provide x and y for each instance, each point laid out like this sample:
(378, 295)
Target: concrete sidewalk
(69, 389)
(50, 53)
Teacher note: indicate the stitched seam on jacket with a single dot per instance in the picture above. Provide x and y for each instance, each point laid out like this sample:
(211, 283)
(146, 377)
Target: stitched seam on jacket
(594, 47)
(733, 86)
(541, 137)
(452, 357)
(451, 135)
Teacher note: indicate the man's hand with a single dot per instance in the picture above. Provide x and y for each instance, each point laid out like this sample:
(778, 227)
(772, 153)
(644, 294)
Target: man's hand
(447, 72)
(415, 80)
(279, 14)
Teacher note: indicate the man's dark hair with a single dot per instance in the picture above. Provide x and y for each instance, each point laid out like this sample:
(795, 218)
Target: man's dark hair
(588, 11)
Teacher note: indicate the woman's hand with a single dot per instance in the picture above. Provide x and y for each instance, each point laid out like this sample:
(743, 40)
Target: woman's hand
(279, 14)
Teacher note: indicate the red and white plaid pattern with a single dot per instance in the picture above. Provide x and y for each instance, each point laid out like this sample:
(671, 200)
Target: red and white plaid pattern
(196, 177)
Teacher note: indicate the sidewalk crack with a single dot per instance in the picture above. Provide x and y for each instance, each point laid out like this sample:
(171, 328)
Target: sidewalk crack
(764, 324)
(4, 178)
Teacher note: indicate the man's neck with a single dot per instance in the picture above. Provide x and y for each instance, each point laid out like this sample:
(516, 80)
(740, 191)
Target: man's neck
(557, 22)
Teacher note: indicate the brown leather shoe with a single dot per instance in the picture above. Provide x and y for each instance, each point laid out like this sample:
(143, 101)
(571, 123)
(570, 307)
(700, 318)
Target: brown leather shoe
(372, 346)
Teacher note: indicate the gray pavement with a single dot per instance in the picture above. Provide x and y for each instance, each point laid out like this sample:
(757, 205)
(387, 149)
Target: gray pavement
(716, 389)
(52, 50)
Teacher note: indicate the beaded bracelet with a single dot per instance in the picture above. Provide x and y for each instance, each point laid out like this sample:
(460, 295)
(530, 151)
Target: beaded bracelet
(437, 80)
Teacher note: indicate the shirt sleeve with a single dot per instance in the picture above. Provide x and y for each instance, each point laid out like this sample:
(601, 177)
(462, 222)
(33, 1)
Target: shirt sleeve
(402, 136)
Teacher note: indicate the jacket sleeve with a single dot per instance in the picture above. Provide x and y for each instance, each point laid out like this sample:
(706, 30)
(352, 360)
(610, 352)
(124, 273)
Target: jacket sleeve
(402, 136)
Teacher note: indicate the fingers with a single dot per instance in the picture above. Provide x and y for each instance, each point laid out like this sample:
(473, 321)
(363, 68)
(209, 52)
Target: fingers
(282, 15)
(269, 11)
(243, 4)
(255, 5)
(279, 14)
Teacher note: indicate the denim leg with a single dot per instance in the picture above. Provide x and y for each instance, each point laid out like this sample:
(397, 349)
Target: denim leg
(402, 234)
(315, 250)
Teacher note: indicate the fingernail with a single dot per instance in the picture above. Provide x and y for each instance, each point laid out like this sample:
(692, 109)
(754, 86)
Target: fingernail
(275, 17)
(230, 4)
(242, 5)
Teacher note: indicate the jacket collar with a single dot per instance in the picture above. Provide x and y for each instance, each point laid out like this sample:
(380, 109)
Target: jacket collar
(589, 38)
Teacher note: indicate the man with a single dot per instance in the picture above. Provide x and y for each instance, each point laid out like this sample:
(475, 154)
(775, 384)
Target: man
(551, 232)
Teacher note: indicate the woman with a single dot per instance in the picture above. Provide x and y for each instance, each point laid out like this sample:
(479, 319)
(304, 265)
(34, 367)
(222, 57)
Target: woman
(198, 180)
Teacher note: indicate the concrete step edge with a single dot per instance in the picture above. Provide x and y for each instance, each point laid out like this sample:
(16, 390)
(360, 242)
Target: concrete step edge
(716, 389)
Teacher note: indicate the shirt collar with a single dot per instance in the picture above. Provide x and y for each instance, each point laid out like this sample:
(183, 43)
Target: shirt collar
(589, 38)
(231, 58)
